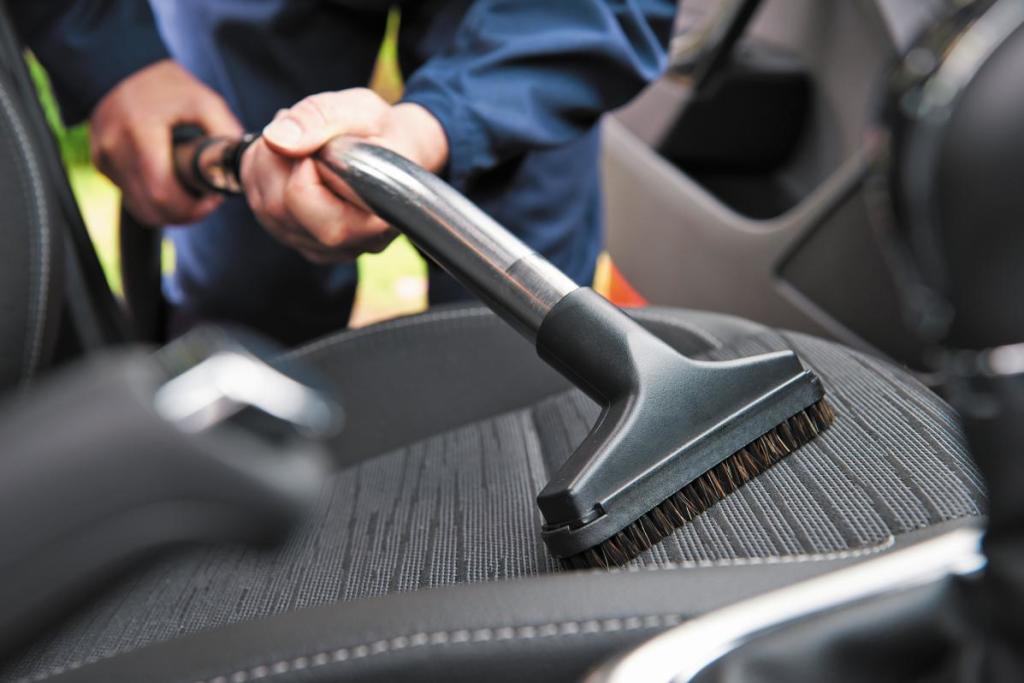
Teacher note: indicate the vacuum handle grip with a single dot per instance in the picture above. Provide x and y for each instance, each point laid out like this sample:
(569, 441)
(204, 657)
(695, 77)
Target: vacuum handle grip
(511, 278)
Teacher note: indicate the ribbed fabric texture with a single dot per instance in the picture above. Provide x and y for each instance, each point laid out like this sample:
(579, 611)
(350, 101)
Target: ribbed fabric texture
(459, 507)
(894, 461)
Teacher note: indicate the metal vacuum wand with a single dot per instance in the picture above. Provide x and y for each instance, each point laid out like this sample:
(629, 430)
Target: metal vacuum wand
(518, 283)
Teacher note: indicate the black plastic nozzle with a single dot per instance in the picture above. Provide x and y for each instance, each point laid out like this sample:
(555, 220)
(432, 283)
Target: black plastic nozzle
(666, 419)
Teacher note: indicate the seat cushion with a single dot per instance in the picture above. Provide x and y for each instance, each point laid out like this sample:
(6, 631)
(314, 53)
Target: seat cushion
(429, 530)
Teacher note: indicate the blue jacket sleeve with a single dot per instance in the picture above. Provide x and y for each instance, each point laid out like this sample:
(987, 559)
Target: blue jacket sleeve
(87, 46)
(526, 74)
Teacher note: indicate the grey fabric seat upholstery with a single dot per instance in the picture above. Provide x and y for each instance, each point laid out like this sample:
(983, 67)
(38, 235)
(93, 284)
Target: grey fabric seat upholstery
(423, 560)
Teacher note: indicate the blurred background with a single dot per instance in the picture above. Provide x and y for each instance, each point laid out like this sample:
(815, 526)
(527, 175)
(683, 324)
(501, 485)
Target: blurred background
(390, 283)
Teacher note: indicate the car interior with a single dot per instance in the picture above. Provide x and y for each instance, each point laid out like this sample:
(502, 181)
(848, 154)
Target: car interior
(371, 514)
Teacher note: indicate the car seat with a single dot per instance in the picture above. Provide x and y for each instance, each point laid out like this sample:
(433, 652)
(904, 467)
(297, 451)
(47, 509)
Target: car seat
(755, 181)
(422, 559)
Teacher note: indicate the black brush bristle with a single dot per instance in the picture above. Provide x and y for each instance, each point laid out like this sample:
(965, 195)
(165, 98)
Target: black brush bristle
(707, 489)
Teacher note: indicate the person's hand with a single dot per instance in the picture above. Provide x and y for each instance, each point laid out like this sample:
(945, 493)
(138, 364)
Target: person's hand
(131, 140)
(284, 188)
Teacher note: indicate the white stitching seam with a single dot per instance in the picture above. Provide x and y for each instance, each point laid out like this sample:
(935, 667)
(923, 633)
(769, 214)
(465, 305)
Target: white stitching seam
(456, 637)
(883, 545)
(505, 632)
(38, 310)
(406, 642)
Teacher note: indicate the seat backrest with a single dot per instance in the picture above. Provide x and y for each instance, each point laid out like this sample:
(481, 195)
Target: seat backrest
(54, 300)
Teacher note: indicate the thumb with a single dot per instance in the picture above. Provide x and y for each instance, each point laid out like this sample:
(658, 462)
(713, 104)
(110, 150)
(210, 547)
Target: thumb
(306, 127)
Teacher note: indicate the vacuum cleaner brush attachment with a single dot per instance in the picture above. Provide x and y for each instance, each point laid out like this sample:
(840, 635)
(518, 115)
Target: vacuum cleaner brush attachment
(674, 437)
(707, 489)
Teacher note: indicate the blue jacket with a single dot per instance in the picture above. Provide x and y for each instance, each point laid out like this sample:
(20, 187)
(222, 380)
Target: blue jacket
(517, 84)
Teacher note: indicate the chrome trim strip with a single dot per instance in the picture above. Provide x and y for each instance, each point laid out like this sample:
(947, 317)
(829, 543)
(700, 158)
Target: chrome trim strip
(682, 653)
(221, 386)
(1004, 361)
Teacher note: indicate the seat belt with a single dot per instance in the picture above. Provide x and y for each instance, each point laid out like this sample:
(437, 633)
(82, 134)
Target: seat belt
(141, 274)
